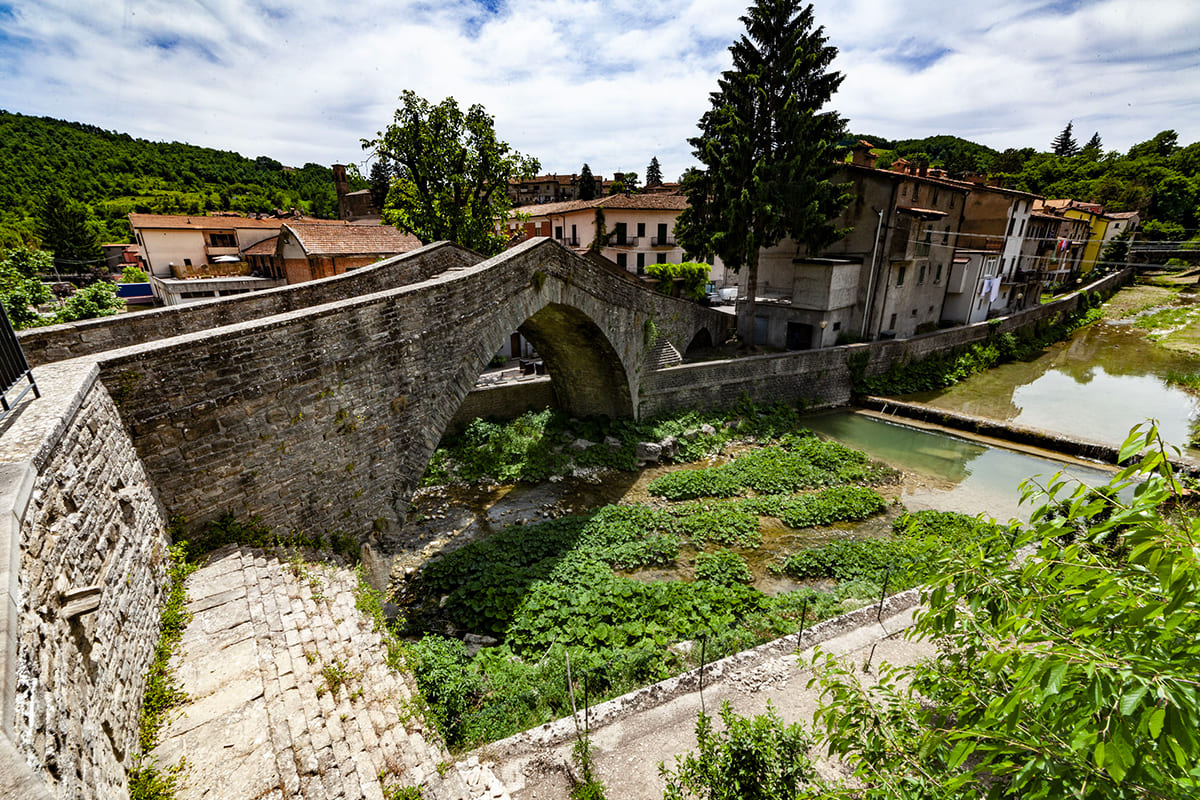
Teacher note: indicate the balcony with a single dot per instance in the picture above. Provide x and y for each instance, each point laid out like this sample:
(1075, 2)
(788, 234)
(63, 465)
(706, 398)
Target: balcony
(213, 251)
(662, 241)
(623, 241)
(569, 241)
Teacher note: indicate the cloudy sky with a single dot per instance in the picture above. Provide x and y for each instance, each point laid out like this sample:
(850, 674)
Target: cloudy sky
(611, 83)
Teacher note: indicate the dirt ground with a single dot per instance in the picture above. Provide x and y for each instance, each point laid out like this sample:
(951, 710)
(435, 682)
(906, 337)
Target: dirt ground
(630, 744)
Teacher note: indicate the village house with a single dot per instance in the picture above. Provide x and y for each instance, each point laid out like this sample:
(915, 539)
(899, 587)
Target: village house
(886, 278)
(549, 189)
(631, 230)
(177, 245)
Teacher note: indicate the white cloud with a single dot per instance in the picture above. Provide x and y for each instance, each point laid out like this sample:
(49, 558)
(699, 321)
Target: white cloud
(610, 83)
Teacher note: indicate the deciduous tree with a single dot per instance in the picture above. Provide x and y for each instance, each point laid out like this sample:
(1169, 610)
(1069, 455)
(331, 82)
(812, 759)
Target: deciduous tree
(768, 146)
(451, 173)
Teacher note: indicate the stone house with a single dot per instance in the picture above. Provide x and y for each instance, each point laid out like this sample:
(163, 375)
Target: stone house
(190, 243)
(305, 251)
(552, 188)
(885, 278)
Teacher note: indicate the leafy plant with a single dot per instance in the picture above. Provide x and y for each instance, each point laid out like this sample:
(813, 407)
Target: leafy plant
(724, 567)
(751, 759)
(95, 300)
(1066, 673)
(132, 274)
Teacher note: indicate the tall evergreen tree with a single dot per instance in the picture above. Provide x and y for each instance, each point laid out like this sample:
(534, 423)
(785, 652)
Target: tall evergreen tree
(1064, 144)
(768, 150)
(587, 184)
(1094, 143)
(653, 173)
(67, 229)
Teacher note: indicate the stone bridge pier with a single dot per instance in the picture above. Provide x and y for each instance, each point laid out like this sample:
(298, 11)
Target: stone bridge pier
(324, 418)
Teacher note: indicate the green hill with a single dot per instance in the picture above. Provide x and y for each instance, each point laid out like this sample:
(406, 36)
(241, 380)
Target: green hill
(114, 173)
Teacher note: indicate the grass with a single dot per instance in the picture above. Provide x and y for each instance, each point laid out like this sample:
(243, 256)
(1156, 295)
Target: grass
(163, 693)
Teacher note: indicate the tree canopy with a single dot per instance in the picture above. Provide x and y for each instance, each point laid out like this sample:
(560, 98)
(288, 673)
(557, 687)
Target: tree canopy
(767, 147)
(1064, 144)
(653, 173)
(451, 173)
(587, 183)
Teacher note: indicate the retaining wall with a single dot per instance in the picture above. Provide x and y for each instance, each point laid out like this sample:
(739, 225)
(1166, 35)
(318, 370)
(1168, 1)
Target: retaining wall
(822, 378)
(84, 545)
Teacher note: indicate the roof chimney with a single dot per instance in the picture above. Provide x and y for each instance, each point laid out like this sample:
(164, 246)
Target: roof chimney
(341, 185)
(861, 155)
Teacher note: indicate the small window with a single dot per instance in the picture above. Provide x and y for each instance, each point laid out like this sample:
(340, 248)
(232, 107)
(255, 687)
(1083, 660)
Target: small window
(946, 236)
(558, 231)
(935, 195)
(187, 262)
(921, 275)
(622, 260)
(662, 258)
(641, 229)
(837, 326)
(937, 278)
(641, 263)
(892, 324)
(914, 312)
(900, 276)
(916, 192)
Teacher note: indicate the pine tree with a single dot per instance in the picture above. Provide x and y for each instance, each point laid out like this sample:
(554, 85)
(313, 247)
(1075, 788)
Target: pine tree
(67, 229)
(653, 173)
(1064, 144)
(587, 184)
(1094, 143)
(768, 150)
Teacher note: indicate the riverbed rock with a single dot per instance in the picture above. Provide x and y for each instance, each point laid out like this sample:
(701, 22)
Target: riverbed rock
(691, 433)
(613, 442)
(476, 642)
(708, 430)
(581, 444)
(648, 452)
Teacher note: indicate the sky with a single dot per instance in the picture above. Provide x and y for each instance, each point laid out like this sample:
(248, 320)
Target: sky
(610, 83)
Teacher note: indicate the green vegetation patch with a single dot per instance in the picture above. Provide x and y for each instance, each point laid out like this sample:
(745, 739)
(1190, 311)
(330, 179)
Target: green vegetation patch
(798, 462)
(538, 445)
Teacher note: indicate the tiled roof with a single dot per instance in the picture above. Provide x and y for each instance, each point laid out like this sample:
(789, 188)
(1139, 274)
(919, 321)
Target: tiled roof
(264, 248)
(346, 239)
(200, 222)
(630, 202)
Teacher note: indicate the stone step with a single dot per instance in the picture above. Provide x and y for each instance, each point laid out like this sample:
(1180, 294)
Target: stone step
(290, 693)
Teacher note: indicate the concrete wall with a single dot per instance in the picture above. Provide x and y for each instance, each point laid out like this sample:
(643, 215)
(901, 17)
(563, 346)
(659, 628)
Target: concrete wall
(505, 401)
(59, 342)
(86, 542)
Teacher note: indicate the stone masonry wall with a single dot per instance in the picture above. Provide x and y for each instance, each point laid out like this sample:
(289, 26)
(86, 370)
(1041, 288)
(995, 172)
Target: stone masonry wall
(504, 401)
(60, 342)
(821, 378)
(323, 419)
(93, 544)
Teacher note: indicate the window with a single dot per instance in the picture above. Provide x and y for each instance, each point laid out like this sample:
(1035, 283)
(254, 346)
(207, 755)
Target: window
(952, 199)
(921, 275)
(892, 324)
(900, 277)
(641, 229)
(935, 195)
(622, 261)
(1021, 233)
(222, 240)
(914, 312)
(619, 232)
(1011, 222)
(946, 236)
(187, 262)
(937, 278)
(662, 258)
(641, 263)
(558, 231)
(837, 326)
(916, 192)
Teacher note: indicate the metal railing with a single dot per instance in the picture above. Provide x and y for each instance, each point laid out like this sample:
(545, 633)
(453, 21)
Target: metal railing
(662, 241)
(13, 366)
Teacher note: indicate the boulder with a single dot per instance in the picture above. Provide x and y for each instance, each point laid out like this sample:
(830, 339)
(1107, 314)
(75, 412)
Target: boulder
(648, 451)
(670, 447)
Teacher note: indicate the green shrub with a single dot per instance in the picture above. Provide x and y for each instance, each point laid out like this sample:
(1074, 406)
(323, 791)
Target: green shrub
(97, 300)
(723, 567)
(448, 681)
(132, 274)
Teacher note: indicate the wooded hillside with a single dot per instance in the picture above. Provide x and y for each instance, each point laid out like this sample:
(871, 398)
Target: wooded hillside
(114, 173)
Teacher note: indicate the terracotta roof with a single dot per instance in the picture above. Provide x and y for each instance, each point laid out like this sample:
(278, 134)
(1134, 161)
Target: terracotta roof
(631, 202)
(200, 222)
(347, 239)
(264, 248)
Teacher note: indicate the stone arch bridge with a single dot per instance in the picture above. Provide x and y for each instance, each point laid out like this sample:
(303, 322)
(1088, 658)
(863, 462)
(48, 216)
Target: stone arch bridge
(321, 413)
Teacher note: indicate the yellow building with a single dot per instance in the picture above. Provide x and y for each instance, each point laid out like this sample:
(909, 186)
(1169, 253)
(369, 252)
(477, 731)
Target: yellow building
(1093, 215)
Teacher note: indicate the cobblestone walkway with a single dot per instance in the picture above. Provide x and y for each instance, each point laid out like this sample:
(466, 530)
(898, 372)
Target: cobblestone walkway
(290, 696)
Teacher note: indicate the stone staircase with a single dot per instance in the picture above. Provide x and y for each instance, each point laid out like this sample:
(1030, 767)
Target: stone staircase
(290, 695)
